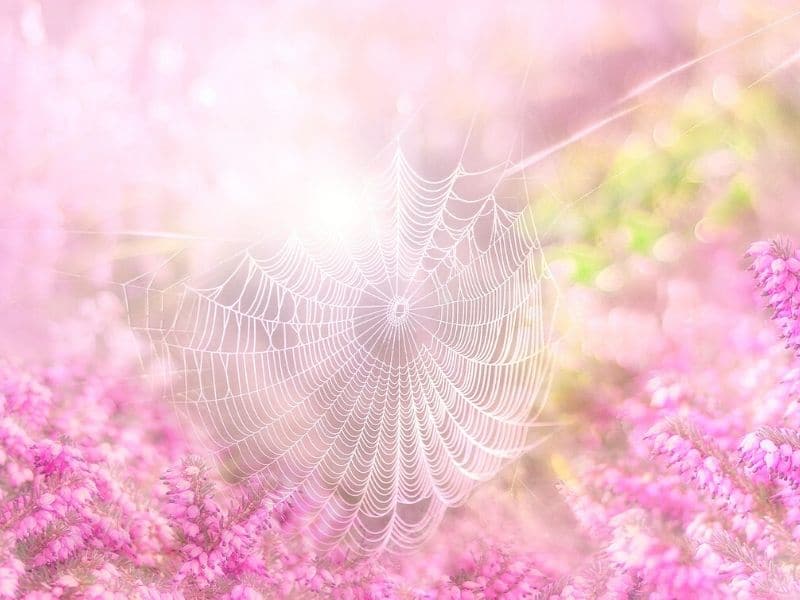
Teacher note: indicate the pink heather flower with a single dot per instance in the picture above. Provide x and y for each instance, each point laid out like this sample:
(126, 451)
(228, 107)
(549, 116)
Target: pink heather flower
(71, 512)
(695, 457)
(22, 394)
(653, 523)
(214, 544)
(488, 571)
(772, 453)
(776, 266)
(771, 456)
(656, 560)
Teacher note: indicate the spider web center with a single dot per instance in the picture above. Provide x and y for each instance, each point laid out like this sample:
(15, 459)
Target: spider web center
(397, 314)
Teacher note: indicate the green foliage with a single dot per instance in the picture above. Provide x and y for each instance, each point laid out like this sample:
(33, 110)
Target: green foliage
(694, 168)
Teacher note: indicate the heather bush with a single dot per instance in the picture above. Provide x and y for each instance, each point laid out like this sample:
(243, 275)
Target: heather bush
(691, 491)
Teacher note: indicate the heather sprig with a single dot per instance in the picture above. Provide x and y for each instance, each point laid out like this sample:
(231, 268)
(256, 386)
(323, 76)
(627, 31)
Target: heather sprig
(776, 267)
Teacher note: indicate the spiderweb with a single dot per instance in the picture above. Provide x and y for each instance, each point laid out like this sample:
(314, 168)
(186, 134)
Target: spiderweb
(374, 379)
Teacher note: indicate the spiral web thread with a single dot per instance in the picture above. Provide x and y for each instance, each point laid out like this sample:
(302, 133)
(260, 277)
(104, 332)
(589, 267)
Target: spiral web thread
(376, 379)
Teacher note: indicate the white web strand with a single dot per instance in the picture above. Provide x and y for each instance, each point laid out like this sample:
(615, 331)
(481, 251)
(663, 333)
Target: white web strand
(374, 380)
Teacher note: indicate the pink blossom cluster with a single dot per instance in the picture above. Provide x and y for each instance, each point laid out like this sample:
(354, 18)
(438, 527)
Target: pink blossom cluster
(75, 515)
(213, 544)
(696, 492)
(487, 571)
(700, 461)
(777, 270)
(772, 453)
(83, 512)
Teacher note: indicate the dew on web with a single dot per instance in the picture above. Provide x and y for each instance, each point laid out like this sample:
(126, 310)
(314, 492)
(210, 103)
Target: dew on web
(375, 378)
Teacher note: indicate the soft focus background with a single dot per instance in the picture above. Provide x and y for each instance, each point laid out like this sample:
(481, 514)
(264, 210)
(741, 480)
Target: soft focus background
(654, 141)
